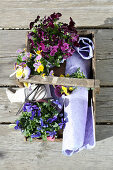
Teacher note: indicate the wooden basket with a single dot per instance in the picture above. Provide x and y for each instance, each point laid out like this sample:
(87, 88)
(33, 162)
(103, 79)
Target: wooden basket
(90, 83)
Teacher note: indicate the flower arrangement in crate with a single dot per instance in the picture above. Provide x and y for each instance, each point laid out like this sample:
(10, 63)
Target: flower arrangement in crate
(51, 44)
(54, 45)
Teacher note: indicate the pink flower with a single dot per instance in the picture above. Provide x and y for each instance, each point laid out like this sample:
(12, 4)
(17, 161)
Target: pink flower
(53, 50)
(50, 138)
(65, 47)
(44, 49)
(24, 58)
(19, 51)
(38, 57)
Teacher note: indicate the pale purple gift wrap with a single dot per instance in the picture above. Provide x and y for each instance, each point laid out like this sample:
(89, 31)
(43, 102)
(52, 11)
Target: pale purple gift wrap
(79, 132)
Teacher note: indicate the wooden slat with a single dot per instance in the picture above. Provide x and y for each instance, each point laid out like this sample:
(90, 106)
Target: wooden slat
(16, 154)
(85, 13)
(10, 41)
(7, 110)
(104, 106)
(62, 81)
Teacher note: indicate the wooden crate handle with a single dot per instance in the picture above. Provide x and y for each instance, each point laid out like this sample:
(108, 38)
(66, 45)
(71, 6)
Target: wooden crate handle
(89, 83)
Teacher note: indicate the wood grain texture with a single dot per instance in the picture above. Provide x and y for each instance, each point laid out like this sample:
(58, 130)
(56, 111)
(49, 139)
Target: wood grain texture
(18, 14)
(7, 110)
(90, 83)
(104, 106)
(10, 41)
(17, 154)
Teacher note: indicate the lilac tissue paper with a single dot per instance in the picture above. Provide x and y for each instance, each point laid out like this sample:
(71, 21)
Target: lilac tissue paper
(79, 132)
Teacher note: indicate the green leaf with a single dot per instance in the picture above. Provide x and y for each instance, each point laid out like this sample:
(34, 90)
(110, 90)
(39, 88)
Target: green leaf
(44, 137)
(55, 125)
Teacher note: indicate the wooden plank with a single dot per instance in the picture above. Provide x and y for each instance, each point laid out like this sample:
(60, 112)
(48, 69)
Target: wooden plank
(91, 83)
(7, 110)
(104, 106)
(10, 41)
(104, 71)
(87, 13)
(17, 154)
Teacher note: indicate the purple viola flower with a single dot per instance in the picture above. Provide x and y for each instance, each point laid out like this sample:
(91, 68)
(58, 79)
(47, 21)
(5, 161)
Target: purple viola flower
(37, 18)
(26, 72)
(38, 57)
(39, 113)
(41, 121)
(57, 103)
(50, 120)
(65, 47)
(52, 53)
(53, 50)
(75, 38)
(24, 58)
(35, 107)
(54, 118)
(37, 135)
(36, 65)
(26, 105)
(52, 134)
(17, 125)
(63, 123)
(31, 25)
(44, 49)
(51, 73)
(19, 51)
(55, 16)
(50, 24)
(39, 128)
(28, 108)
(57, 91)
(33, 114)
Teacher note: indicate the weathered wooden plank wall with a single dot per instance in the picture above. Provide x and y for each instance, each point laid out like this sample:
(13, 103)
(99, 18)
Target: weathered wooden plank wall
(96, 15)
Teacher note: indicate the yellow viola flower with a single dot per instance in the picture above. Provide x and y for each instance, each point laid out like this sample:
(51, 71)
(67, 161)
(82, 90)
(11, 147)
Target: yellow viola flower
(26, 84)
(38, 52)
(65, 90)
(40, 68)
(30, 55)
(67, 75)
(70, 88)
(61, 75)
(19, 73)
(43, 75)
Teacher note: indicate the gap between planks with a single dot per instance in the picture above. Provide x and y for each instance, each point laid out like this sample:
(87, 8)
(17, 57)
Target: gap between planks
(79, 27)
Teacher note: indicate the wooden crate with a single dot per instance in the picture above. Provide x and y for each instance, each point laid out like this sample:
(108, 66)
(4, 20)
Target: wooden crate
(90, 83)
